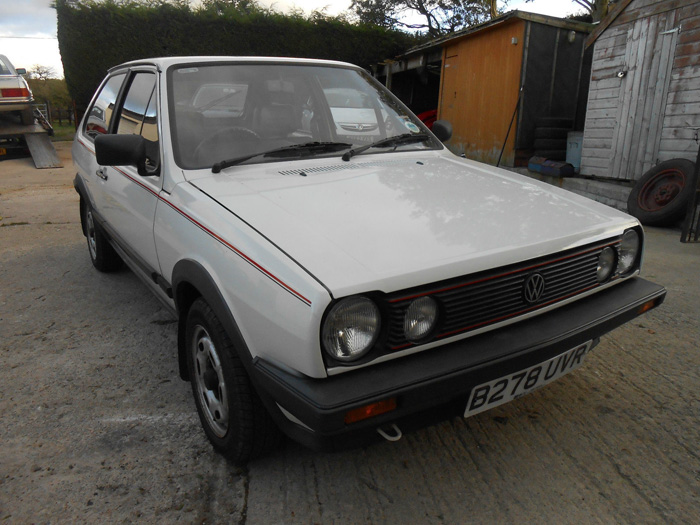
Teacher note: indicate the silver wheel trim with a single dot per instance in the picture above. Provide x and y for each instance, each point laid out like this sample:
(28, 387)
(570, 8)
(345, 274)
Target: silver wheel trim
(213, 397)
(92, 243)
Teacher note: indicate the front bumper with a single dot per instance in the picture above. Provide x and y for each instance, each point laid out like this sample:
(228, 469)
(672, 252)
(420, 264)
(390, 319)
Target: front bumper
(434, 385)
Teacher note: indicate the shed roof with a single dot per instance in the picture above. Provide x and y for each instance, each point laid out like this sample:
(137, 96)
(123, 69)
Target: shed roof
(605, 23)
(553, 21)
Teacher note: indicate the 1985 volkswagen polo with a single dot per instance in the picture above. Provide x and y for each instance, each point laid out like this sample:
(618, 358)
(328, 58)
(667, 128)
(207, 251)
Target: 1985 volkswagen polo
(337, 273)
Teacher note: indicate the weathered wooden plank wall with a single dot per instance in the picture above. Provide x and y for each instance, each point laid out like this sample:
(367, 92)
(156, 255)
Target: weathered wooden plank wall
(644, 98)
(679, 133)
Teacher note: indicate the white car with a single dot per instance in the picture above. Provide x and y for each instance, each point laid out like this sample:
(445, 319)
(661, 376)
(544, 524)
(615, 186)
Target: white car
(330, 288)
(15, 95)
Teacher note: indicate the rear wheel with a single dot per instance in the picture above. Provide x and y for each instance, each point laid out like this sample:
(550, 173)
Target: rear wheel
(232, 415)
(27, 116)
(102, 255)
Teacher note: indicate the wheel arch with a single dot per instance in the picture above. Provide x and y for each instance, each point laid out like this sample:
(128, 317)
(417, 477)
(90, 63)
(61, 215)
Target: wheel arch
(191, 280)
(79, 186)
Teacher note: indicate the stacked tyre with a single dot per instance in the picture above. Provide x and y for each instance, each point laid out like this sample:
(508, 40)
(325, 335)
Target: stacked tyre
(550, 137)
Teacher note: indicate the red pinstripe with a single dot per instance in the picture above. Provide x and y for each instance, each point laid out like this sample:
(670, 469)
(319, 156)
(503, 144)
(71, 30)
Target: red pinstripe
(220, 239)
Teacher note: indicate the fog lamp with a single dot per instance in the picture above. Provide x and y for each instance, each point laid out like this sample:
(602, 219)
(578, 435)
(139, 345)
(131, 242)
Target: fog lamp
(606, 264)
(420, 318)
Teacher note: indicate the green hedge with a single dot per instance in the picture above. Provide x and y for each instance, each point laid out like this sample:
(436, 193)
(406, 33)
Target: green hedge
(94, 37)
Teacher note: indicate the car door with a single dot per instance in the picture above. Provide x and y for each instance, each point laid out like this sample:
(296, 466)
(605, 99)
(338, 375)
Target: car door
(97, 122)
(126, 200)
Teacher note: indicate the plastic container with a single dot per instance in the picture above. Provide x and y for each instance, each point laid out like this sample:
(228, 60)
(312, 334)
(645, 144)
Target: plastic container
(574, 145)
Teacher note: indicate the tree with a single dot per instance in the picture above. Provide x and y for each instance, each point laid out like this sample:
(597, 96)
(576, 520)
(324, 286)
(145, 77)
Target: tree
(40, 72)
(436, 17)
(598, 9)
(221, 7)
(52, 91)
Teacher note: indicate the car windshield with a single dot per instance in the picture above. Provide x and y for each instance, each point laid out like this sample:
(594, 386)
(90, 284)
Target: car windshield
(228, 111)
(5, 67)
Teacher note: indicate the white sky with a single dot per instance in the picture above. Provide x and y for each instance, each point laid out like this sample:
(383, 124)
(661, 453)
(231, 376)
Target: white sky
(28, 27)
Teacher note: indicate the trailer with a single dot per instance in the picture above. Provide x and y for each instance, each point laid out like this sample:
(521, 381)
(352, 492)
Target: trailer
(17, 138)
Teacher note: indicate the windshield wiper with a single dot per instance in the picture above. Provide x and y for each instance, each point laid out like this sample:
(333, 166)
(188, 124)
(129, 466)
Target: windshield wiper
(295, 150)
(404, 138)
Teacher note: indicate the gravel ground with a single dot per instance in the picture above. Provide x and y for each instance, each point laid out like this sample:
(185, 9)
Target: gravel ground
(97, 427)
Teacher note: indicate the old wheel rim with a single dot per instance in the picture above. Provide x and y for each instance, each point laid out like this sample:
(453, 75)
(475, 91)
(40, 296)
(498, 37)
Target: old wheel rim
(92, 243)
(209, 382)
(661, 189)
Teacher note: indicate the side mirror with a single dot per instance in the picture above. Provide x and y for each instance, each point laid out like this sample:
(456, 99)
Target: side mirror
(442, 129)
(123, 150)
(21, 71)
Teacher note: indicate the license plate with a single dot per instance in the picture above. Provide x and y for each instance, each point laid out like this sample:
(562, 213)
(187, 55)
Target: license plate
(499, 391)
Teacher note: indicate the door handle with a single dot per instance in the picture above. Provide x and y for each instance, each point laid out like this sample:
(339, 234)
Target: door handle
(101, 173)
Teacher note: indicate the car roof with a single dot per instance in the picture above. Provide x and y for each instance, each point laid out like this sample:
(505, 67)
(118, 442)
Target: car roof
(166, 62)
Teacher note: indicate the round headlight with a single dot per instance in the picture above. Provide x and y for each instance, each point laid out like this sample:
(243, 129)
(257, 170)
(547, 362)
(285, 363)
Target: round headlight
(351, 328)
(420, 318)
(629, 250)
(606, 264)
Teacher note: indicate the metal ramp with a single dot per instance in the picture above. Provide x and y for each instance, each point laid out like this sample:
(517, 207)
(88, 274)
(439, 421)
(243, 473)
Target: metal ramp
(42, 150)
(36, 137)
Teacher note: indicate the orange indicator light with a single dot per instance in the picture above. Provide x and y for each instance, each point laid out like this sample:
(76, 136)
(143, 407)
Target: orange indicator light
(368, 411)
(646, 307)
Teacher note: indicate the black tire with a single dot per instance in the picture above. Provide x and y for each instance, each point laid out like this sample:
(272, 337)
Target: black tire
(102, 255)
(549, 144)
(554, 154)
(551, 133)
(660, 197)
(27, 116)
(554, 122)
(231, 412)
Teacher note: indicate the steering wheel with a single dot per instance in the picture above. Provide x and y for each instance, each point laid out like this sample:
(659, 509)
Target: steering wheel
(232, 133)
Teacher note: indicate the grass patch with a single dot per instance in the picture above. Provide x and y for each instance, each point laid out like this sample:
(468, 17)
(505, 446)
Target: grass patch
(62, 132)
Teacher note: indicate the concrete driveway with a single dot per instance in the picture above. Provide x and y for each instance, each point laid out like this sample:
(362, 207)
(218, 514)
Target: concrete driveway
(97, 427)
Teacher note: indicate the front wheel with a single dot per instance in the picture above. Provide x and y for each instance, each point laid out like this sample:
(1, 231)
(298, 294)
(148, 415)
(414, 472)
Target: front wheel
(232, 415)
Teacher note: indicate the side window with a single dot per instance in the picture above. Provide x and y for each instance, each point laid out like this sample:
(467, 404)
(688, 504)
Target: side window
(137, 100)
(101, 111)
(138, 116)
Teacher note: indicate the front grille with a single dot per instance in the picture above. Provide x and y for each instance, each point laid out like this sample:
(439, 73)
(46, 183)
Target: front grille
(475, 301)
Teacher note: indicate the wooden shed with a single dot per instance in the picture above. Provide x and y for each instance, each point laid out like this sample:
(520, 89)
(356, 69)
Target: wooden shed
(482, 70)
(644, 96)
